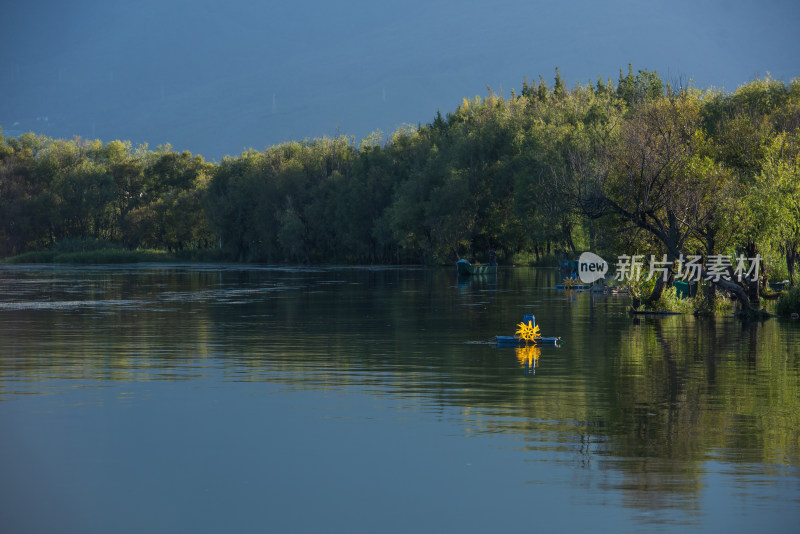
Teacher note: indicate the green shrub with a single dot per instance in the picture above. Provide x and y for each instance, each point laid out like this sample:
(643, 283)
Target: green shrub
(721, 305)
(670, 301)
(698, 305)
(98, 256)
(38, 256)
(84, 244)
(529, 258)
(639, 289)
(789, 301)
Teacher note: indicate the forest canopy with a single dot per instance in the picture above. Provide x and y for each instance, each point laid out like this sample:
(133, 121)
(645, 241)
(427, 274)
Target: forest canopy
(625, 166)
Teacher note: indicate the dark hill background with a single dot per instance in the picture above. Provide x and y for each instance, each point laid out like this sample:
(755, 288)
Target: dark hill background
(216, 79)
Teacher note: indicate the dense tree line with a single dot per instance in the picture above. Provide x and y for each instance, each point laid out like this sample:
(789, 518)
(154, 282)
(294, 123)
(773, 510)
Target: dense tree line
(54, 190)
(631, 165)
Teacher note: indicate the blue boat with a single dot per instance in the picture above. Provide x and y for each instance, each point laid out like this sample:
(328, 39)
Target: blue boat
(465, 268)
(685, 289)
(779, 286)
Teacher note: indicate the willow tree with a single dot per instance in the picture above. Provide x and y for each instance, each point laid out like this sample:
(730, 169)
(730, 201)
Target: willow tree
(652, 171)
(775, 197)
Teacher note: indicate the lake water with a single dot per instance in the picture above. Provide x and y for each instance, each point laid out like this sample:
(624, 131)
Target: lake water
(179, 398)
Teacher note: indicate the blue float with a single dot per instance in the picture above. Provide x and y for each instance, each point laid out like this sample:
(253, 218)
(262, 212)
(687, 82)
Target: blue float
(511, 341)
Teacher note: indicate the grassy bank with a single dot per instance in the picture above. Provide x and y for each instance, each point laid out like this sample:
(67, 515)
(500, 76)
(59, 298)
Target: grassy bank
(99, 251)
(91, 257)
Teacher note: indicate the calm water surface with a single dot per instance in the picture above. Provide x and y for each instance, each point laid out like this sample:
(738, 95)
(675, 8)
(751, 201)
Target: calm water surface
(226, 399)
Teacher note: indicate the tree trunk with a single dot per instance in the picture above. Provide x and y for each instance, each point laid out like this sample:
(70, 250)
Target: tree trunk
(658, 290)
(791, 261)
(753, 292)
(740, 294)
(571, 243)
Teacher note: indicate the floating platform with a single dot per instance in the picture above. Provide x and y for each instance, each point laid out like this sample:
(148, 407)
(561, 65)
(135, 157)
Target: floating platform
(653, 312)
(577, 287)
(595, 289)
(511, 341)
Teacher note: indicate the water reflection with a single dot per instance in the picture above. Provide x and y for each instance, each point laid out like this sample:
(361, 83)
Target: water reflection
(529, 358)
(648, 408)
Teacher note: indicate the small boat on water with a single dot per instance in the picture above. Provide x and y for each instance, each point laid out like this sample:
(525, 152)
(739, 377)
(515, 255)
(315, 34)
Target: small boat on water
(465, 268)
(779, 286)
